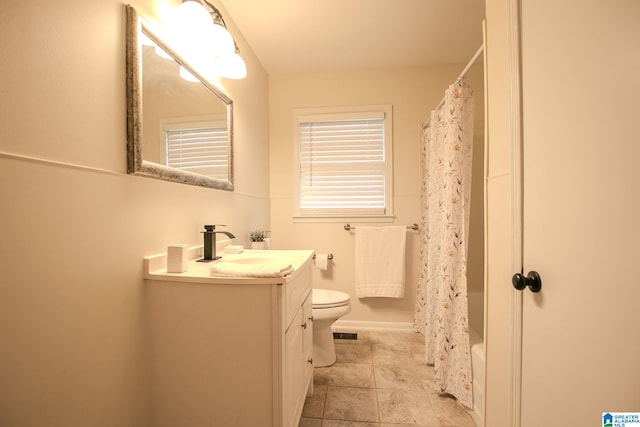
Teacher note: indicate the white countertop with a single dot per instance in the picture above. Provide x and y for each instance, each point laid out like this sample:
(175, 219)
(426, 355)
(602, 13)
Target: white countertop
(155, 267)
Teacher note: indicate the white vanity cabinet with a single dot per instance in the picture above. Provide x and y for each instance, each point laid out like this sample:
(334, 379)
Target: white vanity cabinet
(229, 351)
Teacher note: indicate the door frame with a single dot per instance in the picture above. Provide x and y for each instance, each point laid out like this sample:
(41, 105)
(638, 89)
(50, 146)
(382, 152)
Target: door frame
(504, 202)
(517, 197)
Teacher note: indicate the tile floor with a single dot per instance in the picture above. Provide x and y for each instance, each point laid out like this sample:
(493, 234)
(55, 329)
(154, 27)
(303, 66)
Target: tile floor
(380, 380)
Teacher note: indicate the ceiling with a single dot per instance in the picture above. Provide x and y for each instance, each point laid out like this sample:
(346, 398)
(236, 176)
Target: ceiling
(294, 36)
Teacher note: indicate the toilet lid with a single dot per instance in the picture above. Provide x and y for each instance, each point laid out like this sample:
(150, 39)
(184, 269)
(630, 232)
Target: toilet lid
(325, 298)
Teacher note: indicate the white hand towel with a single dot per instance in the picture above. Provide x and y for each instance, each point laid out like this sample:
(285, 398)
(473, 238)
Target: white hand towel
(233, 269)
(380, 261)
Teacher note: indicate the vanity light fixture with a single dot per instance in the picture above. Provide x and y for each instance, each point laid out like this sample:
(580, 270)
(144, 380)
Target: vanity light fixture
(202, 37)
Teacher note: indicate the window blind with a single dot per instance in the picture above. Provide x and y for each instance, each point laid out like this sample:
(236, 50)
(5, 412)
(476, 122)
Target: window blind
(201, 150)
(342, 166)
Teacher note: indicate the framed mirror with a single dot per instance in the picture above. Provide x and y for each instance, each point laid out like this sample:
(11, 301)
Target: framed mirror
(179, 126)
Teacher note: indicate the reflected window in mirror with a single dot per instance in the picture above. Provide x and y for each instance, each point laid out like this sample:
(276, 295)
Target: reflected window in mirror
(198, 146)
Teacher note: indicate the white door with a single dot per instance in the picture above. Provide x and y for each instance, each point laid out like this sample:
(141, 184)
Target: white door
(581, 133)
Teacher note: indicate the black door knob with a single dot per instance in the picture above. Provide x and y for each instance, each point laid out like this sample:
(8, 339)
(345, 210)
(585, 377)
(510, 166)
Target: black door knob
(532, 281)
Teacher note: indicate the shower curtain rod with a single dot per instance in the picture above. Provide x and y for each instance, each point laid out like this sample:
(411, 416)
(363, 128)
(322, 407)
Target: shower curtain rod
(461, 76)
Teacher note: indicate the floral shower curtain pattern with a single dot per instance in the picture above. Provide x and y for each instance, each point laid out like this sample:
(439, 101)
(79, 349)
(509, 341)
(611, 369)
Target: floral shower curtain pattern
(441, 303)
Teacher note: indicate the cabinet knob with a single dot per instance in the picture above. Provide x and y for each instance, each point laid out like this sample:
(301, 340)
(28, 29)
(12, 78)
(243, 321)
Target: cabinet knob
(310, 361)
(304, 325)
(311, 318)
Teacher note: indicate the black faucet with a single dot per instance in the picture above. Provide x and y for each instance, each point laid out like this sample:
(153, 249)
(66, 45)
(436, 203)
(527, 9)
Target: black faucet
(210, 242)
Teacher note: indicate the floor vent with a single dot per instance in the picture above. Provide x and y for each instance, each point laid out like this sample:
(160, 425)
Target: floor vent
(345, 336)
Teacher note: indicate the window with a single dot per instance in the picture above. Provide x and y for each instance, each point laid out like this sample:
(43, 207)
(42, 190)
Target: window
(343, 162)
(200, 147)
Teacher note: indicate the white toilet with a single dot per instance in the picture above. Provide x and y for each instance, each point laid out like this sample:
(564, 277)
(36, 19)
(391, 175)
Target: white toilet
(328, 306)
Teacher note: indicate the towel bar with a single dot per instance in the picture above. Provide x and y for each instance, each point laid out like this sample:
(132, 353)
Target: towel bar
(414, 227)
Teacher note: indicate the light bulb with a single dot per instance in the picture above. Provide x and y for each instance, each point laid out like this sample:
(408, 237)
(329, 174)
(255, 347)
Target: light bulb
(190, 17)
(232, 66)
(189, 24)
(221, 40)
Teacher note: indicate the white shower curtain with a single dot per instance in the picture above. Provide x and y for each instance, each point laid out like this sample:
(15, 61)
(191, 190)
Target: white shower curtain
(441, 303)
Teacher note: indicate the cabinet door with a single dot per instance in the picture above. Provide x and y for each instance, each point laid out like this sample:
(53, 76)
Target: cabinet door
(307, 347)
(294, 391)
(296, 290)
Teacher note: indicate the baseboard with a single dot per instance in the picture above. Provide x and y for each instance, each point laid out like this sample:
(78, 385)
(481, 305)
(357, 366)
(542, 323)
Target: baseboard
(366, 325)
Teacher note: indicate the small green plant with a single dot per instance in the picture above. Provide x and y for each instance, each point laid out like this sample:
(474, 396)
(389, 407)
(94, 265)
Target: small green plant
(257, 236)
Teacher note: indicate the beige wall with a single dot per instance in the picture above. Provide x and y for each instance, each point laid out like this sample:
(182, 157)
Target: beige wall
(413, 92)
(73, 323)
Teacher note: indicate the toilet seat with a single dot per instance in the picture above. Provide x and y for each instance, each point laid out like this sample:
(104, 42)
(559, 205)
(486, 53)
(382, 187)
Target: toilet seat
(325, 298)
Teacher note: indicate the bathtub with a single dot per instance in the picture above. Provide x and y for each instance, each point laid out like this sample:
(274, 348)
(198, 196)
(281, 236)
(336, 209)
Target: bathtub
(477, 366)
